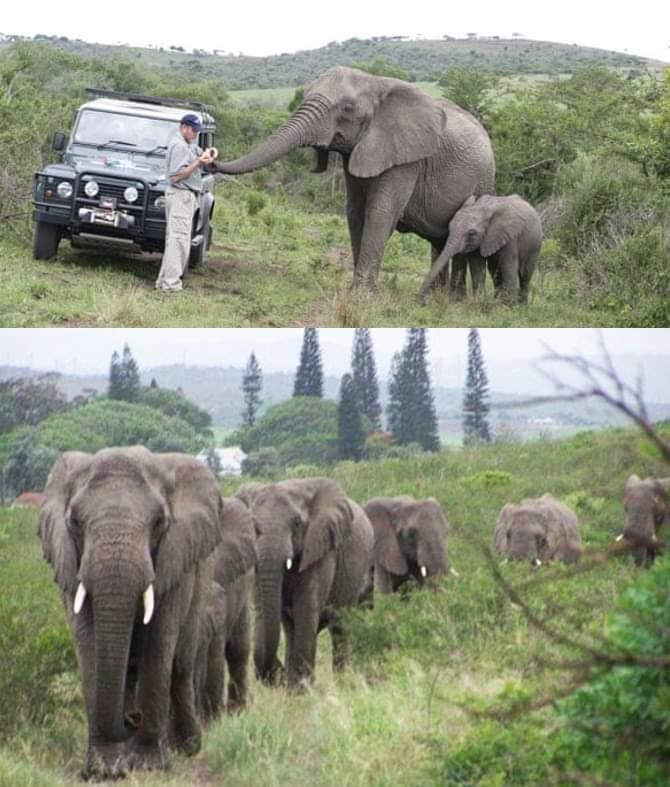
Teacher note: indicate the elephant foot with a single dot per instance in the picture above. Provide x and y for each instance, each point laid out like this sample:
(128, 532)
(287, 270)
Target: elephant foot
(147, 757)
(106, 761)
(189, 741)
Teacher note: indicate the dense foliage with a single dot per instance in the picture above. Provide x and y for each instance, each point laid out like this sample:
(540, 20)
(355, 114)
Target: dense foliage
(364, 373)
(476, 394)
(350, 434)
(252, 383)
(309, 374)
(302, 430)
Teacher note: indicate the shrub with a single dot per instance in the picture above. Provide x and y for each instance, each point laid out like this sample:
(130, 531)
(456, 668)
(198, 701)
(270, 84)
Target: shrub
(255, 202)
(264, 462)
(487, 479)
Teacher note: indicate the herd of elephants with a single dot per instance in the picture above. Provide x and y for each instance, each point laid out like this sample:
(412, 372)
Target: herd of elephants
(412, 163)
(158, 571)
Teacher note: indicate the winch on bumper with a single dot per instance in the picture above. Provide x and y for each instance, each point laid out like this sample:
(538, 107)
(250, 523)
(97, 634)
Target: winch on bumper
(108, 215)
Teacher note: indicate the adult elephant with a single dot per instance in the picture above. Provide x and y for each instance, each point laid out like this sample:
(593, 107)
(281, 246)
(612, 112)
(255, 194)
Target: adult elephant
(130, 536)
(647, 506)
(314, 550)
(539, 529)
(410, 161)
(410, 541)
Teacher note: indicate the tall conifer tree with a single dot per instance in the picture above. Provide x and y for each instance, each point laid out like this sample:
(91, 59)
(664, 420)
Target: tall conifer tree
(115, 387)
(252, 382)
(130, 375)
(350, 435)
(364, 372)
(476, 394)
(411, 410)
(309, 376)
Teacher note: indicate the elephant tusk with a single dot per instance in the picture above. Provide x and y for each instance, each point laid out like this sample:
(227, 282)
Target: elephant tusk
(79, 598)
(424, 571)
(289, 563)
(619, 538)
(148, 603)
(453, 572)
(537, 562)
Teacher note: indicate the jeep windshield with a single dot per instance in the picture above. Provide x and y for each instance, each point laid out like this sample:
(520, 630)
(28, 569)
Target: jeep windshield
(110, 129)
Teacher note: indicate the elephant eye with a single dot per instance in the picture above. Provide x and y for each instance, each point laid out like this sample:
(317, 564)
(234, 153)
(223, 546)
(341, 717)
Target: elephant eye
(348, 108)
(72, 523)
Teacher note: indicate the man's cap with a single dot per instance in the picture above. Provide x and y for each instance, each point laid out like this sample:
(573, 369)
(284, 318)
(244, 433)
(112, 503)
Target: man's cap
(193, 121)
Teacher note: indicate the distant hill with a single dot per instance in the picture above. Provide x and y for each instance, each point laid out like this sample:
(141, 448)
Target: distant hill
(424, 60)
(218, 390)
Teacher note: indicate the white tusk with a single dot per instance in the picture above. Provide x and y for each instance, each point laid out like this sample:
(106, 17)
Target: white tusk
(453, 572)
(537, 562)
(424, 571)
(79, 598)
(148, 603)
(619, 538)
(289, 563)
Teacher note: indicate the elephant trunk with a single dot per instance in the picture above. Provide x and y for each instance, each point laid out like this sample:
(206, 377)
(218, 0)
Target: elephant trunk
(300, 129)
(446, 254)
(269, 590)
(113, 623)
(120, 586)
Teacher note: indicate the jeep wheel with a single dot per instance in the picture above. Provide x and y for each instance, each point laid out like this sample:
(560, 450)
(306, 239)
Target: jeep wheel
(199, 253)
(45, 241)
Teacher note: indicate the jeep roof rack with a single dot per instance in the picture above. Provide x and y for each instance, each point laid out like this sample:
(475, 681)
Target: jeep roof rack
(174, 102)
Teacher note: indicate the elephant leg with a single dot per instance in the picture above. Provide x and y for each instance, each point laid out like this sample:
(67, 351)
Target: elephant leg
(458, 271)
(355, 215)
(442, 278)
(495, 272)
(387, 198)
(214, 679)
(526, 270)
(237, 657)
(340, 643)
(509, 265)
(477, 266)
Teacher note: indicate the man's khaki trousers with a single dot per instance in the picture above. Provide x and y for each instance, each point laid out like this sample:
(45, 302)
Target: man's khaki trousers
(180, 205)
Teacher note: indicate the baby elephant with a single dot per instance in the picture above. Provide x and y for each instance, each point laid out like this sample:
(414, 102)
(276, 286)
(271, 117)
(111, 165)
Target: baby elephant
(410, 541)
(507, 231)
(538, 530)
(647, 505)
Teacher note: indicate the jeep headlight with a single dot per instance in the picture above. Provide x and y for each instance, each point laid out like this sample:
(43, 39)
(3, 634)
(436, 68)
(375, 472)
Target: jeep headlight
(91, 188)
(64, 189)
(130, 194)
(159, 202)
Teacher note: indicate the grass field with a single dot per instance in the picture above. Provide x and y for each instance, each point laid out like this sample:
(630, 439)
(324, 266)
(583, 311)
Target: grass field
(280, 267)
(400, 713)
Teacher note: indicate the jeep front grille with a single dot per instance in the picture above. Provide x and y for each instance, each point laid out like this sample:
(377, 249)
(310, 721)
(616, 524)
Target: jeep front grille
(111, 187)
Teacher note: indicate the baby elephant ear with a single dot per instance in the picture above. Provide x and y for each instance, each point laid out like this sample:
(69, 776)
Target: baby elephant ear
(407, 126)
(507, 221)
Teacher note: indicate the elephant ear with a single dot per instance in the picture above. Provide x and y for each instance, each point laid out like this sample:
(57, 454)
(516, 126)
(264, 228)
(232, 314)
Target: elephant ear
(330, 519)
(194, 503)
(237, 552)
(58, 547)
(386, 550)
(407, 126)
(508, 220)
(502, 527)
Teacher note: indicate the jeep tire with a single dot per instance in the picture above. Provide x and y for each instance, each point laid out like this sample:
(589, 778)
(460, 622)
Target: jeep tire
(198, 253)
(45, 240)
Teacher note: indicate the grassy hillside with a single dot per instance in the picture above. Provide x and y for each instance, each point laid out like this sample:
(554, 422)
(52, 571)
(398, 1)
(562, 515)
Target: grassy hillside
(423, 60)
(401, 713)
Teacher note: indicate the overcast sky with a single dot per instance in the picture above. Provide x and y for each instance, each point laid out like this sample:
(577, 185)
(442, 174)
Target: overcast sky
(87, 350)
(266, 28)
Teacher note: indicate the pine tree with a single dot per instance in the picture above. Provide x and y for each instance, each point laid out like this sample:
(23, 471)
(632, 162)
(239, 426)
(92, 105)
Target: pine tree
(350, 436)
(115, 387)
(309, 376)
(411, 410)
(364, 373)
(252, 382)
(475, 398)
(130, 375)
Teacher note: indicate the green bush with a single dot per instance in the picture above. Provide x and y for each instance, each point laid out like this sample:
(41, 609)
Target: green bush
(173, 403)
(255, 202)
(487, 479)
(618, 724)
(303, 430)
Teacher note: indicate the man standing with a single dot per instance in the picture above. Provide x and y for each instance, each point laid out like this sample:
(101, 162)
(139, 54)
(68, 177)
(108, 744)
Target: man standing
(184, 161)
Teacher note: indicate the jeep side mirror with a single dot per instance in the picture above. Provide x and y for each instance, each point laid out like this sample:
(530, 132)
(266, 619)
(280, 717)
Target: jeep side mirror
(58, 142)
